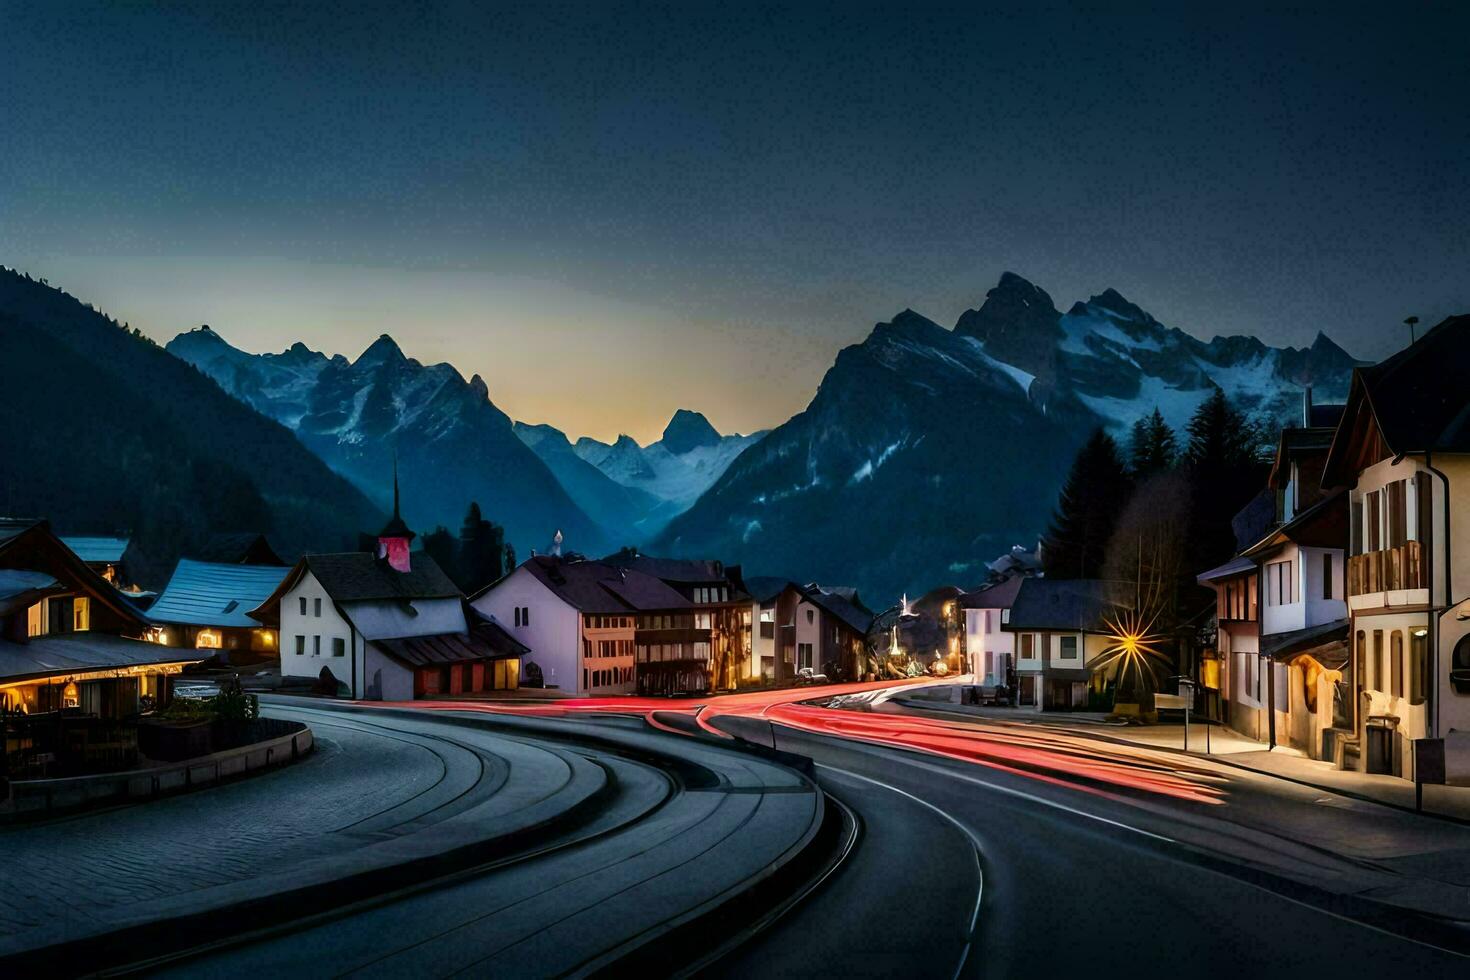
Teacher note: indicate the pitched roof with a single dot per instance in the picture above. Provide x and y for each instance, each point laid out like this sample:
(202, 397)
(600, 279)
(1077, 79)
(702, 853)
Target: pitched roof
(97, 549)
(31, 545)
(1322, 525)
(764, 588)
(357, 576)
(486, 640)
(208, 594)
(1297, 443)
(73, 653)
(1416, 400)
(597, 587)
(834, 603)
(686, 571)
(1001, 595)
(1326, 641)
(21, 587)
(1233, 567)
(1067, 604)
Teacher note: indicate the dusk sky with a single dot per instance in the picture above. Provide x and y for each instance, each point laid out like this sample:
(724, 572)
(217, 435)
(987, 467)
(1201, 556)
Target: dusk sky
(611, 213)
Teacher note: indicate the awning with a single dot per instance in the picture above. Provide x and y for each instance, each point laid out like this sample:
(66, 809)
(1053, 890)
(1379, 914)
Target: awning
(1234, 566)
(80, 653)
(1326, 643)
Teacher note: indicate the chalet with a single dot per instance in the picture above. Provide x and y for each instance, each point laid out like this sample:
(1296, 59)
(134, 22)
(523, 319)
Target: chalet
(990, 651)
(103, 554)
(207, 606)
(73, 673)
(593, 628)
(389, 626)
(1061, 630)
(1402, 450)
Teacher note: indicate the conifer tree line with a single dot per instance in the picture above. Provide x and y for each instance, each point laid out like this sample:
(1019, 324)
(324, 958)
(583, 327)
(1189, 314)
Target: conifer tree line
(1147, 516)
(475, 557)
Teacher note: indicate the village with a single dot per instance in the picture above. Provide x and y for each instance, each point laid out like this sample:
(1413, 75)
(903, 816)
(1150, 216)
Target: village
(1340, 630)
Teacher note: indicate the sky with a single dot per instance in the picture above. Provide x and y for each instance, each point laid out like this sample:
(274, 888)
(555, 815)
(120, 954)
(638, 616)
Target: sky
(611, 212)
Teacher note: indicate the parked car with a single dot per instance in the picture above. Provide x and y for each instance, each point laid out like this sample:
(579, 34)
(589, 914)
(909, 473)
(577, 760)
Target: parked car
(809, 675)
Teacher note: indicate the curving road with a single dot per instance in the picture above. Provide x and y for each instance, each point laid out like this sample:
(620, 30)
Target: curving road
(915, 846)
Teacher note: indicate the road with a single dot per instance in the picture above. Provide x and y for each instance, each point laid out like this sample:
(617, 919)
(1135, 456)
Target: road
(972, 851)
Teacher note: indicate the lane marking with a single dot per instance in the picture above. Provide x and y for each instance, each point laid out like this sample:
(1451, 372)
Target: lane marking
(974, 846)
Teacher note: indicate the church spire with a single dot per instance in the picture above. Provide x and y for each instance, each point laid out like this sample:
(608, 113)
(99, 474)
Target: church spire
(394, 539)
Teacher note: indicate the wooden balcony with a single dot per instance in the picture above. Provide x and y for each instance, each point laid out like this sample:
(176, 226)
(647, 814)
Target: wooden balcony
(1389, 570)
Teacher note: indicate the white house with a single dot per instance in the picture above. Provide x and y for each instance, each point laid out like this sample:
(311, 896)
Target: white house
(990, 651)
(388, 627)
(1403, 450)
(1060, 631)
(589, 625)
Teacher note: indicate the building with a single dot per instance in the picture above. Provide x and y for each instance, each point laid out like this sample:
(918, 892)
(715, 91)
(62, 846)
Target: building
(389, 626)
(820, 631)
(103, 554)
(207, 606)
(593, 628)
(721, 606)
(1281, 626)
(990, 651)
(1061, 630)
(763, 591)
(73, 674)
(1402, 449)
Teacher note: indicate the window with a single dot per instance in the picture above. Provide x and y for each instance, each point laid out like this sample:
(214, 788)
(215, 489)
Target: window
(1028, 646)
(316, 646)
(1460, 666)
(811, 615)
(1069, 648)
(339, 647)
(1281, 583)
(317, 611)
(525, 615)
(300, 642)
(1396, 655)
(81, 614)
(1327, 575)
(803, 655)
(1380, 682)
(303, 605)
(1418, 665)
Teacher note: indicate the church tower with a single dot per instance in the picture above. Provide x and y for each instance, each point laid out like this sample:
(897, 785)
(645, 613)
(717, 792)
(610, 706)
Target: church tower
(394, 539)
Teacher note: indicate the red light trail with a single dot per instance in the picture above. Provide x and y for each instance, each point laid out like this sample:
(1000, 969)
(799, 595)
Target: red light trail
(1035, 754)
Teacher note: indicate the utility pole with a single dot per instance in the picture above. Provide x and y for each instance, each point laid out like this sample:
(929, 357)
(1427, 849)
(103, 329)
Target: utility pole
(1410, 322)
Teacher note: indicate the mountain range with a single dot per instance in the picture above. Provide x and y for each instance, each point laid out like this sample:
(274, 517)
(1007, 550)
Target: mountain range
(449, 442)
(927, 451)
(106, 433)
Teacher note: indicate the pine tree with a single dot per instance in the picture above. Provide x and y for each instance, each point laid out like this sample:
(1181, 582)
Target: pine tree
(1152, 447)
(441, 545)
(1224, 464)
(482, 552)
(1096, 490)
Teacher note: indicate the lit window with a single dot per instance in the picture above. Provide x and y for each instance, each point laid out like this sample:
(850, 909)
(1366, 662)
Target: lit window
(81, 612)
(207, 640)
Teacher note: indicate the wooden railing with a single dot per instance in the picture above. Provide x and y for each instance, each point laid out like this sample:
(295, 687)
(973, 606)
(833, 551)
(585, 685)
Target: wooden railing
(1388, 570)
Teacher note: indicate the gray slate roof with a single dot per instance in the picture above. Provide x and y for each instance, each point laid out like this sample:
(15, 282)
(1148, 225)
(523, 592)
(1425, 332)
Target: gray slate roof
(358, 575)
(208, 594)
(72, 653)
(838, 606)
(1068, 604)
(597, 587)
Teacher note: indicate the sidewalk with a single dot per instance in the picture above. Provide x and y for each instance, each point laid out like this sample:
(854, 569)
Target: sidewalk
(1227, 747)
